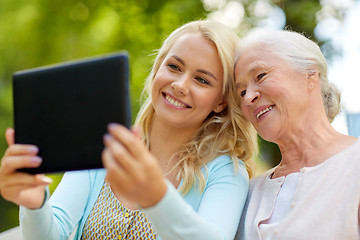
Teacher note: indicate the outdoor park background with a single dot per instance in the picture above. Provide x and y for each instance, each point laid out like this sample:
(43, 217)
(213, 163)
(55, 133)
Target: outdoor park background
(42, 32)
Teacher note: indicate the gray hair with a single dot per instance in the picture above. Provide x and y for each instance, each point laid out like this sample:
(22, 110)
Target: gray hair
(303, 54)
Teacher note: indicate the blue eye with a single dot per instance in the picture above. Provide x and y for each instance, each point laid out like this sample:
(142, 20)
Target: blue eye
(173, 67)
(202, 80)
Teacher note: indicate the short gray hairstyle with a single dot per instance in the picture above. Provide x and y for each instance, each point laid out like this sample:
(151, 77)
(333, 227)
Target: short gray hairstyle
(303, 54)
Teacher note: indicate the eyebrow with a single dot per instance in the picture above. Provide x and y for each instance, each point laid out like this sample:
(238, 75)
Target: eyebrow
(198, 70)
(252, 71)
(207, 73)
(239, 85)
(178, 59)
(259, 66)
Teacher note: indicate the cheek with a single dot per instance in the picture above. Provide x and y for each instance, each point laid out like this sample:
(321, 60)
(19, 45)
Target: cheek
(215, 98)
(154, 89)
(245, 111)
(206, 101)
(159, 81)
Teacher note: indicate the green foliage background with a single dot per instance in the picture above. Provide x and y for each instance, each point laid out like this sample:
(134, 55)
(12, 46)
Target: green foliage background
(39, 32)
(42, 32)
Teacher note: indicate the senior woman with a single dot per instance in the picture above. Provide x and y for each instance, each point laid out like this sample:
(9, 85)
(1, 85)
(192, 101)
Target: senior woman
(314, 193)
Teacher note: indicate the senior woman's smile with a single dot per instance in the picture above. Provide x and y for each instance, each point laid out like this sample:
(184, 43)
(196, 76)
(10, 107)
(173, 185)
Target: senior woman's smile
(262, 111)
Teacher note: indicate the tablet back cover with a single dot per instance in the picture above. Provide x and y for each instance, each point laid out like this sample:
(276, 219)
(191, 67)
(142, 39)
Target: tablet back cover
(64, 109)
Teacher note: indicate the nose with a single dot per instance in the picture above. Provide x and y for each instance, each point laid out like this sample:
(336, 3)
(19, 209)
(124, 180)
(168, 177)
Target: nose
(251, 96)
(181, 85)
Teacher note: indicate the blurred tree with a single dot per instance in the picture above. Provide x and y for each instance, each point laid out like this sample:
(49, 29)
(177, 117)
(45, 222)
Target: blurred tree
(301, 15)
(42, 32)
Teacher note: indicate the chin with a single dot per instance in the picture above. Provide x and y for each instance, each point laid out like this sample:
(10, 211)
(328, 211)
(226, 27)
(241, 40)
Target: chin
(267, 135)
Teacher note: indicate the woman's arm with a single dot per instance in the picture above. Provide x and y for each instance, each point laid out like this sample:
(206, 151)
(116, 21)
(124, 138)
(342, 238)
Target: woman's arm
(134, 172)
(58, 217)
(218, 214)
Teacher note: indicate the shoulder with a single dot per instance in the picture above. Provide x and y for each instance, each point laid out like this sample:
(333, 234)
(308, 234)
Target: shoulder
(260, 179)
(346, 163)
(224, 161)
(348, 159)
(223, 168)
(354, 149)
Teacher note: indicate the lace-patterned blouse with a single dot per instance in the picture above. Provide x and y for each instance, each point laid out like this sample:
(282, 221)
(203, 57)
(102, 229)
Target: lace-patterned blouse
(109, 219)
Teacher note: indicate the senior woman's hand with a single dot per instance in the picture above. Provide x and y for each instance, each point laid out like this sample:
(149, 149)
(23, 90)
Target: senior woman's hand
(131, 169)
(21, 188)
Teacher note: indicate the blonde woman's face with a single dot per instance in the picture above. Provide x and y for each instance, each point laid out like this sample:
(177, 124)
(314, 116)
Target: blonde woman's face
(188, 84)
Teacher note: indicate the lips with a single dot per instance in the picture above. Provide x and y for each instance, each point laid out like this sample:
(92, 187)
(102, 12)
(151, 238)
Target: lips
(175, 102)
(262, 111)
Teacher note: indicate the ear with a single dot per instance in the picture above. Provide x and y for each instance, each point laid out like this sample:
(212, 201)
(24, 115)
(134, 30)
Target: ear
(313, 79)
(221, 106)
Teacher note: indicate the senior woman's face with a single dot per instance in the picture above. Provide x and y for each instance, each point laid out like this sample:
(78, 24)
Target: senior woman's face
(273, 95)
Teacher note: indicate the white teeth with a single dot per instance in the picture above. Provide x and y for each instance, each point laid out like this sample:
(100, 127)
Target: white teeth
(174, 102)
(264, 111)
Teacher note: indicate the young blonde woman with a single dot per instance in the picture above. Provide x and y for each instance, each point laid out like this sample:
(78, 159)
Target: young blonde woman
(181, 173)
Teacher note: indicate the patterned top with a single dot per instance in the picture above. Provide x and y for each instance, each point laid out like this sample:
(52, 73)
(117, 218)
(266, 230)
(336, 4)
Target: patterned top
(109, 219)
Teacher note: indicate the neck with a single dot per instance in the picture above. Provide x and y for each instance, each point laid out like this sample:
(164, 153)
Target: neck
(166, 140)
(309, 146)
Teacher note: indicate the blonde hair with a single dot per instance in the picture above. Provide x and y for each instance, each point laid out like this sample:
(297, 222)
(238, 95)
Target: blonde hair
(303, 54)
(224, 133)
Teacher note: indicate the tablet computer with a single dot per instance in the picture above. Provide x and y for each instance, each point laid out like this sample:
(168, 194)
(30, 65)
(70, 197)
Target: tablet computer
(64, 109)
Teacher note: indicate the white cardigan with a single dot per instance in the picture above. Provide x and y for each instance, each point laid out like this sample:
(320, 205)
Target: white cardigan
(325, 204)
